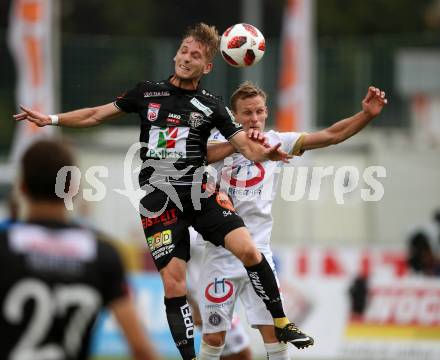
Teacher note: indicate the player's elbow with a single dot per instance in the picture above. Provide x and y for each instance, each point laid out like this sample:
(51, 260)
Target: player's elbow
(95, 118)
(333, 138)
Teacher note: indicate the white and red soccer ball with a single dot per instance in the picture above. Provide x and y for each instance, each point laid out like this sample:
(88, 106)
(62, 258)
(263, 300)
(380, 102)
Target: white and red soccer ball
(242, 45)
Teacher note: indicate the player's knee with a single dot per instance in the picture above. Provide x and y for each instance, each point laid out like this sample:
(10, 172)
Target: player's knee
(173, 285)
(250, 255)
(215, 339)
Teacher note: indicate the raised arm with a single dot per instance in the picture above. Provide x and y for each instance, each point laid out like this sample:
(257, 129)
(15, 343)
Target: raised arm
(340, 131)
(86, 117)
(255, 151)
(218, 150)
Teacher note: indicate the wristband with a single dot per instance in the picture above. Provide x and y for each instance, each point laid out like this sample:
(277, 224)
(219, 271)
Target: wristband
(54, 119)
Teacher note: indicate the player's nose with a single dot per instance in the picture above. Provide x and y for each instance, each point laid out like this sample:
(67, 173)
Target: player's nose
(254, 119)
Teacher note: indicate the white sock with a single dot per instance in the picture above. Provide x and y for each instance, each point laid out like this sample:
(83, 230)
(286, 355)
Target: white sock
(277, 351)
(208, 352)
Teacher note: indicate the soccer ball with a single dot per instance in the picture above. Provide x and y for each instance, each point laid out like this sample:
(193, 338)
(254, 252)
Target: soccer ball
(242, 45)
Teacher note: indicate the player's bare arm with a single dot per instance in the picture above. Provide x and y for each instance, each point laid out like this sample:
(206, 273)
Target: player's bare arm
(127, 317)
(372, 106)
(86, 117)
(218, 150)
(256, 151)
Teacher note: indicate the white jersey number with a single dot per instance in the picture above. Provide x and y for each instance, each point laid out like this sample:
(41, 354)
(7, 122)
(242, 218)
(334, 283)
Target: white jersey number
(49, 303)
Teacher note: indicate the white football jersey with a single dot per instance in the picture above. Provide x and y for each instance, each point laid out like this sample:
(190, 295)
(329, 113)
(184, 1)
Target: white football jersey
(252, 187)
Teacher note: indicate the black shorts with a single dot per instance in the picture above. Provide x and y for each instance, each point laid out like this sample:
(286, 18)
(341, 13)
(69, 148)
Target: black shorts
(167, 234)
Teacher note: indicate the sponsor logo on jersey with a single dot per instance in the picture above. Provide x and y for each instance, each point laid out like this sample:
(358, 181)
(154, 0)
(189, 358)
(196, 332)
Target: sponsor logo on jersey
(75, 244)
(195, 119)
(224, 201)
(169, 142)
(174, 119)
(167, 138)
(167, 218)
(153, 111)
(160, 239)
(214, 319)
(156, 94)
(219, 291)
(203, 108)
(244, 176)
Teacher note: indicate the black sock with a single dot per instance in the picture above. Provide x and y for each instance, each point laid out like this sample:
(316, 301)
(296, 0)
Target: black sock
(181, 325)
(265, 285)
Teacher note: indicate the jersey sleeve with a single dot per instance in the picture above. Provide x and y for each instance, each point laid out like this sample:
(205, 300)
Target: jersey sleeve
(129, 101)
(225, 122)
(291, 142)
(114, 282)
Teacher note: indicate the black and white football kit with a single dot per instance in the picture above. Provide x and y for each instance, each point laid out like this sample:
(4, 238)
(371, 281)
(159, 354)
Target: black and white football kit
(54, 280)
(175, 126)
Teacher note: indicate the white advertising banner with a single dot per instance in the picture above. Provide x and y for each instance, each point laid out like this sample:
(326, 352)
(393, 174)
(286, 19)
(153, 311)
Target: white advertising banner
(391, 315)
(31, 39)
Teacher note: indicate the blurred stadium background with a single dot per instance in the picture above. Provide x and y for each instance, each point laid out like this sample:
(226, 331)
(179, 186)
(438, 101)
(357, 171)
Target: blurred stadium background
(101, 48)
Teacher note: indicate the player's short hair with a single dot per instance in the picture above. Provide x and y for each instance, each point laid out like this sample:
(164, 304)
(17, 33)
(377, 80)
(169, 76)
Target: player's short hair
(39, 167)
(206, 35)
(246, 90)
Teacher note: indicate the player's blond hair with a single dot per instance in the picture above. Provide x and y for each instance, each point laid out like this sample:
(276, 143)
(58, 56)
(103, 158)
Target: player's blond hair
(246, 90)
(207, 36)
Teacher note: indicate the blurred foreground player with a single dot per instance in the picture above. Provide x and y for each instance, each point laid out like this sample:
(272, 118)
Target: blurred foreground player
(56, 277)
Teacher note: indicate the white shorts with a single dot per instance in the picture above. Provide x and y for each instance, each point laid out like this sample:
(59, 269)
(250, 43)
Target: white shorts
(237, 339)
(218, 294)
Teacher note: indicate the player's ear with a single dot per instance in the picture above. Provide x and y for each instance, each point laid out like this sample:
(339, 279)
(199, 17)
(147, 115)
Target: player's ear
(21, 187)
(208, 68)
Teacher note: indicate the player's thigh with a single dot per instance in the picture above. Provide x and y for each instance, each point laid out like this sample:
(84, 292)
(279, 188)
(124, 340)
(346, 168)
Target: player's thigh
(240, 243)
(216, 219)
(166, 232)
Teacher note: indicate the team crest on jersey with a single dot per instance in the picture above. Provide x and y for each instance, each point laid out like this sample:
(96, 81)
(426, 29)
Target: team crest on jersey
(153, 111)
(214, 319)
(195, 119)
